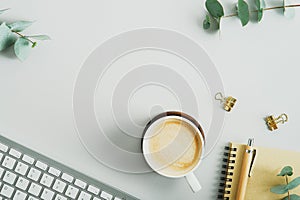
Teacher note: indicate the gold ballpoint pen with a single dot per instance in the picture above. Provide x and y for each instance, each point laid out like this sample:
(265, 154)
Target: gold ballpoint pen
(246, 165)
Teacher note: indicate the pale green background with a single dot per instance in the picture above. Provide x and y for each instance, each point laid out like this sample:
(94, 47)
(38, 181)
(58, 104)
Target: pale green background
(259, 65)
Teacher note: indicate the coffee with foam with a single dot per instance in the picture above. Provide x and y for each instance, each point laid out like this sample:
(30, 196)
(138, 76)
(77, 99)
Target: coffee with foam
(175, 147)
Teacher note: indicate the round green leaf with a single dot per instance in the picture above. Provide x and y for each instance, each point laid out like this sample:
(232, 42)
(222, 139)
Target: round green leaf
(260, 5)
(39, 37)
(292, 197)
(259, 14)
(20, 25)
(3, 10)
(214, 8)
(288, 12)
(279, 189)
(257, 3)
(206, 22)
(22, 48)
(260, 8)
(287, 170)
(243, 12)
(7, 38)
(293, 184)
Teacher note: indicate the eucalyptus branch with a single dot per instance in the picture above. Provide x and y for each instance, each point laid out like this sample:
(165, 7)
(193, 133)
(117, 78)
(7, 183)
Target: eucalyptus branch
(216, 11)
(265, 9)
(287, 182)
(10, 34)
(287, 172)
(23, 36)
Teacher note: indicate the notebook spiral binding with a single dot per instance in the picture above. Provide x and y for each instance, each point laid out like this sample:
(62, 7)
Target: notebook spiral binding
(227, 173)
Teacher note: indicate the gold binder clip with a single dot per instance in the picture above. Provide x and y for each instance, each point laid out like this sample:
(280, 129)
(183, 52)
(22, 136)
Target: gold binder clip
(228, 102)
(272, 121)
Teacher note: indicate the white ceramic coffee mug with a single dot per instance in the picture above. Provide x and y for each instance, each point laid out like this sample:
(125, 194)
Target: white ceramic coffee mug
(178, 155)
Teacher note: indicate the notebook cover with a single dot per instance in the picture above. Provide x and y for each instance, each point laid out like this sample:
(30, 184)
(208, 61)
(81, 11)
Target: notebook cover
(267, 165)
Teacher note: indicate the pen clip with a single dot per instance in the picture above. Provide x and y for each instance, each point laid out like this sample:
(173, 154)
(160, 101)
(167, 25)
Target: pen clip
(252, 162)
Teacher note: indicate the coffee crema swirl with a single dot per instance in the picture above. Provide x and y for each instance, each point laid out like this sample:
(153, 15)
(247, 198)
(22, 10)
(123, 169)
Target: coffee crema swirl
(176, 146)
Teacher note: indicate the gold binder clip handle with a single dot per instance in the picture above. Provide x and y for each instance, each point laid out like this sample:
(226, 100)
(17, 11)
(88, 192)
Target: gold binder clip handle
(272, 121)
(228, 102)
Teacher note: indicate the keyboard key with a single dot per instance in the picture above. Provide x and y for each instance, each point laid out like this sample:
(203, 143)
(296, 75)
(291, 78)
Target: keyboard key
(32, 198)
(9, 177)
(26, 175)
(59, 197)
(93, 189)
(106, 196)
(59, 186)
(47, 194)
(72, 192)
(15, 153)
(3, 147)
(19, 195)
(117, 198)
(54, 171)
(7, 191)
(41, 165)
(28, 159)
(8, 162)
(34, 174)
(67, 177)
(84, 196)
(35, 189)
(22, 183)
(1, 171)
(21, 168)
(80, 183)
(46, 180)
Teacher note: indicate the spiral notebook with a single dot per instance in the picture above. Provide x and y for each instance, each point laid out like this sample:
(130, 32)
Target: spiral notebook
(267, 164)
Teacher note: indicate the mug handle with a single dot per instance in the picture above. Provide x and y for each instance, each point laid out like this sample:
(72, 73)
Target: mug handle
(193, 182)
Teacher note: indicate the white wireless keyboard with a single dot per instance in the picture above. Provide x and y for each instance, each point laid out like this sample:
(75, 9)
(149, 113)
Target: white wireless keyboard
(28, 175)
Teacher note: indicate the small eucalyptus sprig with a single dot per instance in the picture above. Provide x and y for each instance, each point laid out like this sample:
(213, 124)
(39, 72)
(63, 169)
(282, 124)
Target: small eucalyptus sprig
(11, 34)
(216, 12)
(283, 189)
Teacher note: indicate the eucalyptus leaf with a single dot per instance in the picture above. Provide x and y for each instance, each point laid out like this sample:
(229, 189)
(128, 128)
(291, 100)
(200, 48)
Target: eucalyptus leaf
(257, 3)
(260, 5)
(259, 14)
(243, 12)
(287, 170)
(293, 184)
(218, 23)
(3, 10)
(292, 197)
(206, 22)
(20, 25)
(288, 12)
(7, 38)
(279, 189)
(39, 37)
(22, 48)
(214, 8)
